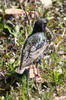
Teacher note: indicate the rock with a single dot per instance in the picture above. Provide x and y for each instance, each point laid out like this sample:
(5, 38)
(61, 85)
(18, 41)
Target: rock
(60, 98)
(47, 3)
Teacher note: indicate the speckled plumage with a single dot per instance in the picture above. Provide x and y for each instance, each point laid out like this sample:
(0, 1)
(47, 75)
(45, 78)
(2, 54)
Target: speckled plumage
(34, 46)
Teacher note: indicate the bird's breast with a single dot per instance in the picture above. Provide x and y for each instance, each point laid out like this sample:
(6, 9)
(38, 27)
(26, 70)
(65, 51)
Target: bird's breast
(36, 39)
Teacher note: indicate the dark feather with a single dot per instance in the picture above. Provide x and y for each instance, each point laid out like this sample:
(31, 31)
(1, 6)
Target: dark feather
(34, 46)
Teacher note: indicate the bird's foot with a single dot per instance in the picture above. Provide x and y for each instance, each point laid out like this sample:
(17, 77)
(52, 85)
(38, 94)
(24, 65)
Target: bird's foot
(34, 73)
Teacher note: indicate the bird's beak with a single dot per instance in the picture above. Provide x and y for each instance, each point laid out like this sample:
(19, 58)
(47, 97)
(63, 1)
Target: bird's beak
(47, 20)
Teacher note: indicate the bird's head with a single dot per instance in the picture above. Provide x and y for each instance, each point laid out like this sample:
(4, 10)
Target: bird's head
(40, 25)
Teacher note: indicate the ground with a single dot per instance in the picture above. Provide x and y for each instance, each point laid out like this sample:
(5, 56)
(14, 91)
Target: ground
(16, 23)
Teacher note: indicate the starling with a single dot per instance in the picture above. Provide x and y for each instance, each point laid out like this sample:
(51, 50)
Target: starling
(34, 47)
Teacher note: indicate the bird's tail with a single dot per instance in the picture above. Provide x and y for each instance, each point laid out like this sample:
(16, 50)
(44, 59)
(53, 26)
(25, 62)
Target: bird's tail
(21, 70)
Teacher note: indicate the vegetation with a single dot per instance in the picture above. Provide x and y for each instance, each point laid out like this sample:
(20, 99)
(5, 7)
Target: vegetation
(14, 29)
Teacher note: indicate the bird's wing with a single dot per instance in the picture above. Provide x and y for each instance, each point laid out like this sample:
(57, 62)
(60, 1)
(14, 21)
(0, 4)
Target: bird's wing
(31, 52)
(24, 57)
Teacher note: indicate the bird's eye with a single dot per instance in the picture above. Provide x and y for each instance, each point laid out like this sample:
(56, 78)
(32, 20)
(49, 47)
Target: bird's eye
(44, 40)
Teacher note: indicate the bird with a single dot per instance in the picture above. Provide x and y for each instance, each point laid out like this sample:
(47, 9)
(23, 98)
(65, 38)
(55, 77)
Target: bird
(34, 46)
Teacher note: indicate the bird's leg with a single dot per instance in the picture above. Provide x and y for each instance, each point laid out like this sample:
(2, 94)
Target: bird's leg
(33, 74)
(36, 71)
(28, 85)
(38, 74)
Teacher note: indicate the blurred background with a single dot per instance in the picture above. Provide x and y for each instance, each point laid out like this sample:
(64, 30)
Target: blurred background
(17, 18)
